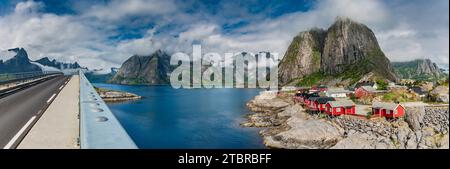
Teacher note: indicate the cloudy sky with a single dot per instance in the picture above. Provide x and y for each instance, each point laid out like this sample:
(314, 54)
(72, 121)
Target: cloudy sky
(104, 33)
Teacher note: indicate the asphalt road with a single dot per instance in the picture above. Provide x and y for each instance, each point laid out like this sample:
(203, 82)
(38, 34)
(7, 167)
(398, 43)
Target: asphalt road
(21, 110)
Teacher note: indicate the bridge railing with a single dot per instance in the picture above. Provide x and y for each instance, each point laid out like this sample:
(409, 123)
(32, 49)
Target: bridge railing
(15, 77)
(99, 128)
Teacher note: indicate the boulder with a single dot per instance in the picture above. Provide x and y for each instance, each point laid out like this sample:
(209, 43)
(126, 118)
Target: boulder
(306, 134)
(364, 141)
(414, 117)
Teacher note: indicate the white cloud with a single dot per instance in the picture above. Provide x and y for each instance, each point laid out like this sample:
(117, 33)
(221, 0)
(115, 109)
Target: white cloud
(405, 29)
(28, 7)
(119, 9)
(6, 55)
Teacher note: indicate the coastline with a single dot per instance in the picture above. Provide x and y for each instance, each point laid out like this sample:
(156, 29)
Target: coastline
(286, 125)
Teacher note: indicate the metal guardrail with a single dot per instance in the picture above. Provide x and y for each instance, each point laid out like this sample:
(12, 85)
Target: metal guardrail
(99, 128)
(17, 77)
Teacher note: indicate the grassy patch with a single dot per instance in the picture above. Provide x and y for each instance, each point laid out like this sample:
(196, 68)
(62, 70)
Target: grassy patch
(293, 50)
(399, 96)
(312, 79)
(316, 57)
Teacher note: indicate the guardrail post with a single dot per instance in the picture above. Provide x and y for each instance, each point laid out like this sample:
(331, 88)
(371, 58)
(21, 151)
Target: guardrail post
(99, 128)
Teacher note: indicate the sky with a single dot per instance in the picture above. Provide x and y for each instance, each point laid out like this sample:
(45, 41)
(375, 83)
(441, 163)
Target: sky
(104, 33)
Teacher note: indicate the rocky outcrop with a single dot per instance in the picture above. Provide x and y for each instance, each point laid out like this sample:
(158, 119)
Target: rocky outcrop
(149, 70)
(19, 63)
(352, 46)
(419, 69)
(440, 94)
(116, 96)
(305, 134)
(303, 55)
(288, 125)
(347, 50)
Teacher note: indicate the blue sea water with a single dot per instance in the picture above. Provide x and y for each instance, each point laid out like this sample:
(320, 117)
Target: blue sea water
(186, 118)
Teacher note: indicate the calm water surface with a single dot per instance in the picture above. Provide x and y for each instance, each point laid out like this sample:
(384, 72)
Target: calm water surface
(186, 118)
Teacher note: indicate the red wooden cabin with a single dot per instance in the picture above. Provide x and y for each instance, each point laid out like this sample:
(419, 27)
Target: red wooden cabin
(319, 103)
(364, 91)
(310, 103)
(388, 110)
(337, 108)
(306, 98)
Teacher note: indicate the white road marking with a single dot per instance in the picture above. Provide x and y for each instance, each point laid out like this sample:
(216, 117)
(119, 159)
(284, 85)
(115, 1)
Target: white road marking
(39, 112)
(51, 98)
(14, 139)
(61, 87)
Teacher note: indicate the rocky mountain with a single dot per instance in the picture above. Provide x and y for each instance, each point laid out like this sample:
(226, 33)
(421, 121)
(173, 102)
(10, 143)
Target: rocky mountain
(344, 54)
(419, 69)
(151, 70)
(19, 63)
(303, 56)
(56, 64)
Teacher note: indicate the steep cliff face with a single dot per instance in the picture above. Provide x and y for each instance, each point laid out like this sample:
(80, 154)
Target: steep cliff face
(151, 70)
(19, 63)
(350, 45)
(347, 51)
(303, 55)
(420, 69)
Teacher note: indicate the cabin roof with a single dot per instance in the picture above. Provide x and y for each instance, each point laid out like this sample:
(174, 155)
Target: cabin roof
(369, 89)
(365, 83)
(323, 100)
(311, 95)
(385, 105)
(313, 98)
(341, 103)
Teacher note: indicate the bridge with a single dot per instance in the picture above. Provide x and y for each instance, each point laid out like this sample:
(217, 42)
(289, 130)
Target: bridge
(56, 110)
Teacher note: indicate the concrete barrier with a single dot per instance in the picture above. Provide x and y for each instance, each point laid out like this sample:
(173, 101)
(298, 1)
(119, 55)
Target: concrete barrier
(99, 128)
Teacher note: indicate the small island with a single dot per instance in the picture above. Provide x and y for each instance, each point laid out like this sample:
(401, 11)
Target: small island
(116, 96)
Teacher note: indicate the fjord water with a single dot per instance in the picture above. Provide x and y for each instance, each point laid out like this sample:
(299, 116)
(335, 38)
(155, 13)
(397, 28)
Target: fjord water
(186, 118)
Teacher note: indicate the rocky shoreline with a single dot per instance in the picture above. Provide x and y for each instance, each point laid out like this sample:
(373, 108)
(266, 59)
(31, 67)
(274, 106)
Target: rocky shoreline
(116, 96)
(287, 125)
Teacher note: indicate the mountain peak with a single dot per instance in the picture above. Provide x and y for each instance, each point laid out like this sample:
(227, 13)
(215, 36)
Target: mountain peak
(152, 69)
(56, 64)
(347, 50)
(345, 20)
(20, 52)
(18, 63)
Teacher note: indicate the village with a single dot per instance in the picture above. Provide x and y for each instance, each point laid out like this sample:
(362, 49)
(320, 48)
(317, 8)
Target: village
(367, 115)
(369, 99)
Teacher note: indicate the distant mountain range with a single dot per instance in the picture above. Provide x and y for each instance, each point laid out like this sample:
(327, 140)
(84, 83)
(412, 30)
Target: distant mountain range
(18, 63)
(154, 69)
(59, 65)
(420, 69)
(21, 63)
(344, 54)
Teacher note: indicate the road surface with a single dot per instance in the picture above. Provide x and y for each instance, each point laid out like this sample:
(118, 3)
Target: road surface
(19, 111)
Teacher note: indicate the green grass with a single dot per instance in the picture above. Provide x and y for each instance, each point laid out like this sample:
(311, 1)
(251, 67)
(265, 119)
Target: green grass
(382, 84)
(312, 79)
(316, 57)
(397, 97)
